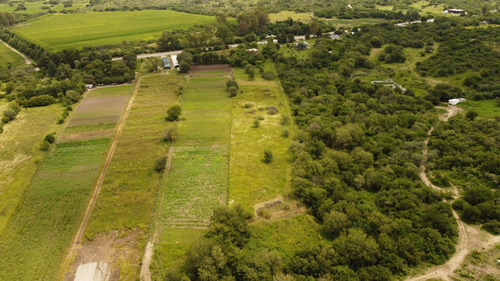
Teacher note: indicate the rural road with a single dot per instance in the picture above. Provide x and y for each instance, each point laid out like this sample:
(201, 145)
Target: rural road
(470, 237)
(26, 60)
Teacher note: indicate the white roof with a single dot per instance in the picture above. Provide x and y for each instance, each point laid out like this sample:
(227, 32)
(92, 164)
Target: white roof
(456, 101)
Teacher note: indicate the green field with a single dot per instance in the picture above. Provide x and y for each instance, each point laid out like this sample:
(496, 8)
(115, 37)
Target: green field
(485, 108)
(92, 29)
(284, 15)
(35, 240)
(251, 181)
(8, 57)
(20, 156)
(354, 22)
(198, 180)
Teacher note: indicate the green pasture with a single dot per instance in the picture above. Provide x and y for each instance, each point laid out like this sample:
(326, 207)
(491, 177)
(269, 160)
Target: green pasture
(252, 181)
(485, 108)
(20, 156)
(8, 57)
(353, 22)
(426, 8)
(35, 240)
(61, 31)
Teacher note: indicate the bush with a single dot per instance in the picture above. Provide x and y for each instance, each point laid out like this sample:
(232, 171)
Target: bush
(268, 75)
(233, 91)
(173, 113)
(5, 120)
(10, 114)
(248, 105)
(272, 110)
(256, 123)
(50, 138)
(42, 100)
(14, 106)
(492, 227)
(160, 164)
(232, 83)
(44, 146)
(169, 134)
(285, 120)
(285, 133)
(268, 156)
(72, 96)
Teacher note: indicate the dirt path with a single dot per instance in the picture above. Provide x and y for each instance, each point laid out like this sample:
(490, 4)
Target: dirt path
(470, 237)
(148, 253)
(26, 60)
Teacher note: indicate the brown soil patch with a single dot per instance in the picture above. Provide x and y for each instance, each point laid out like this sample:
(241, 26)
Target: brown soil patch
(92, 135)
(107, 248)
(210, 67)
(98, 110)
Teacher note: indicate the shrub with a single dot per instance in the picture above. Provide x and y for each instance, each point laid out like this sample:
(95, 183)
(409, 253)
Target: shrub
(5, 119)
(44, 146)
(471, 115)
(285, 120)
(272, 110)
(173, 113)
(14, 106)
(268, 156)
(285, 133)
(1, 128)
(73, 96)
(256, 123)
(268, 75)
(492, 227)
(169, 134)
(10, 114)
(248, 105)
(50, 138)
(42, 100)
(160, 164)
(232, 83)
(233, 91)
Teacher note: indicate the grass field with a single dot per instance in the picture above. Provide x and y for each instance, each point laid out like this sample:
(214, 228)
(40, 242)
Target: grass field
(91, 29)
(252, 181)
(425, 8)
(36, 7)
(485, 108)
(354, 22)
(8, 57)
(35, 240)
(284, 15)
(20, 156)
(198, 180)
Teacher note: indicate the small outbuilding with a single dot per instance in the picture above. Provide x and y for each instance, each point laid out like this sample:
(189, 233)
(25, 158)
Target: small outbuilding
(456, 101)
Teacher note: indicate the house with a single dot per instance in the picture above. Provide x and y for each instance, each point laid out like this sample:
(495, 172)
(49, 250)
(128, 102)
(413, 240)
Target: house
(402, 24)
(430, 20)
(484, 22)
(89, 86)
(335, 36)
(456, 101)
(454, 11)
(252, 50)
(175, 62)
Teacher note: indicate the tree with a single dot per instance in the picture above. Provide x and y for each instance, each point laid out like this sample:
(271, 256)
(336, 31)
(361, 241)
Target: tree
(471, 115)
(130, 59)
(250, 70)
(152, 64)
(233, 91)
(173, 113)
(168, 41)
(184, 67)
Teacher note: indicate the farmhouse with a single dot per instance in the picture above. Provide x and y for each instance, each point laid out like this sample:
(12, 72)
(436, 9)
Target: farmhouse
(454, 11)
(252, 50)
(456, 101)
(175, 62)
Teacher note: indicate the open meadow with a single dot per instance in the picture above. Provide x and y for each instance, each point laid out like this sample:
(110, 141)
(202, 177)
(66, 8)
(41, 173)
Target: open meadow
(8, 57)
(21, 156)
(251, 180)
(92, 29)
(53, 204)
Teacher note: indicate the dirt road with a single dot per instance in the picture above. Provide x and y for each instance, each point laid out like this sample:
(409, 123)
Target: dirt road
(26, 60)
(470, 237)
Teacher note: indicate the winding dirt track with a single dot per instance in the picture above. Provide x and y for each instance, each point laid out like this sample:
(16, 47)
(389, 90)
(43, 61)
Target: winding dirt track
(470, 237)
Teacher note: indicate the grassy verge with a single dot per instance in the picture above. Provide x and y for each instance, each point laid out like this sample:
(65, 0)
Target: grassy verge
(251, 180)
(485, 108)
(20, 156)
(8, 57)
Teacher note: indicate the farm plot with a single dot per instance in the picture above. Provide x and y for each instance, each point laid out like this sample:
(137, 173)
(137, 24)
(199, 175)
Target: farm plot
(130, 186)
(198, 179)
(251, 180)
(52, 206)
(20, 156)
(92, 29)
(8, 57)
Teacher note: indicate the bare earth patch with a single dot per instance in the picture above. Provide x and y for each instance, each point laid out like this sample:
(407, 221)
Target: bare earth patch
(99, 110)
(195, 69)
(99, 260)
(278, 208)
(91, 135)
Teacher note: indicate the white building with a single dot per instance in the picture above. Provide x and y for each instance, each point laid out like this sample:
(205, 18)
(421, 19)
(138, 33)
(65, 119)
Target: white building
(456, 101)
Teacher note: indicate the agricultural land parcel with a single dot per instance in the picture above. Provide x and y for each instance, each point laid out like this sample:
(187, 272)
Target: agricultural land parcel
(20, 155)
(7, 56)
(52, 206)
(36, 7)
(92, 29)
(128, 195)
